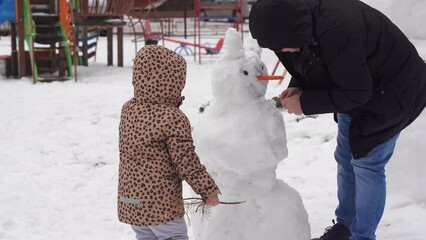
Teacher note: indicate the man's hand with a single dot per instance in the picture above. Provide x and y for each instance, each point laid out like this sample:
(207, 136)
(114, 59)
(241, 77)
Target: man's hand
(211, 201)
(290, 100)
(290, 92)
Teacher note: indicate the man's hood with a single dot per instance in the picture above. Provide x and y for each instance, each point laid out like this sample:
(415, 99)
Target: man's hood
(159, 75)
(278, 24)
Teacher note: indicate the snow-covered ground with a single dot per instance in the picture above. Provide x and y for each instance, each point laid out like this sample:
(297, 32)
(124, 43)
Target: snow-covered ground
(409, 15)
(59, 155)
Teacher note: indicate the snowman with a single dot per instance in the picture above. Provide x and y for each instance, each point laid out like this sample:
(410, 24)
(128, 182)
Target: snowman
(241, 139)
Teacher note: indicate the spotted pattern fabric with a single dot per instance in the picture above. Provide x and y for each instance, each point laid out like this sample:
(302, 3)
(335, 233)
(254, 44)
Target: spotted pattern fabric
(156, 146)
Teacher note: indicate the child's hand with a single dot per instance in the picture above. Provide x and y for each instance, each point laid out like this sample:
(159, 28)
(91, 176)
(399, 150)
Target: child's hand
(212, 201)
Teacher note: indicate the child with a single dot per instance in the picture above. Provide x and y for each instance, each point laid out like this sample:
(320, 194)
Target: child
(157, 151)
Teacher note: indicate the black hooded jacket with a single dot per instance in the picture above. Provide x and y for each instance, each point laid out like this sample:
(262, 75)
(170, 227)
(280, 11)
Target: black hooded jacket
(353, 60)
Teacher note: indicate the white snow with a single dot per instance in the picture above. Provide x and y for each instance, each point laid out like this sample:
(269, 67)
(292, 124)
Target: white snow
(408, 15)
(59, 153)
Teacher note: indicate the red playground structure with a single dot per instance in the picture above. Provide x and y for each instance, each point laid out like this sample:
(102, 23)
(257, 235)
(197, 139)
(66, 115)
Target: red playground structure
(184, 45)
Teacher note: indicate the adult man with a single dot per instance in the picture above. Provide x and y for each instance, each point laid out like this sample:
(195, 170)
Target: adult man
(349, 59)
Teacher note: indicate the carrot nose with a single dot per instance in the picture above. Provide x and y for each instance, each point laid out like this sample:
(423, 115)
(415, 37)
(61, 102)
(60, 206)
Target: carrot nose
(269, 77)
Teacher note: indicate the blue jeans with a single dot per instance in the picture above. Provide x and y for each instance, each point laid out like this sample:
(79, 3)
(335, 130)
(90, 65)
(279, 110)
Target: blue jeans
(361, 184)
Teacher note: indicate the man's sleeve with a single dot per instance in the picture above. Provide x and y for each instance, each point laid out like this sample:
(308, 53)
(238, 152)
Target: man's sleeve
(295, 81)
(344, 55)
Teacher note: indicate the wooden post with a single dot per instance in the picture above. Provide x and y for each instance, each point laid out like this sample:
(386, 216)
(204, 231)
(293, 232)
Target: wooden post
(52, 7)
(21, 41)
(196, 10)
(169, 27)
(14, 50)
(185, 14)
(110, 47)
(85, 47)
(61, 64)
(75, 54)
(276, 66)
(84, 7)
(120, 46)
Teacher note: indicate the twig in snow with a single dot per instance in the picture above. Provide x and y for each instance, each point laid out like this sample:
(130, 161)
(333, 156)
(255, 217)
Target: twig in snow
(195, 205)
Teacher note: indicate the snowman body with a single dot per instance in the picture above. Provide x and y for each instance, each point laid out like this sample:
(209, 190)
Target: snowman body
(241, 139)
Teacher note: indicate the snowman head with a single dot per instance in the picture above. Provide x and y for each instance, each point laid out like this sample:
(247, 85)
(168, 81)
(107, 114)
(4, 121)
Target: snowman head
(235, 75)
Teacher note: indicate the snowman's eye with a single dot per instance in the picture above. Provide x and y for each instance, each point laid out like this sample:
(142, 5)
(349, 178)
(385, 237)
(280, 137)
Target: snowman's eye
(245, 72)
(262, 67)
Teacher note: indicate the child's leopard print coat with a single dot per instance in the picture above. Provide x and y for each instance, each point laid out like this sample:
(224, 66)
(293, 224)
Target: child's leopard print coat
(156, 147)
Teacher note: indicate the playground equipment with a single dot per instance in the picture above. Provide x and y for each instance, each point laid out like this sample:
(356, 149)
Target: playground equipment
(183, 45)
(282, 75)
(34, 23)
(158, 12)
(62, 33)
(5, 29)
(7, 15)
(172, 9)
(200, 10)
(7, 11)
(59, 34)
(144, 9)
(50, 36)
(93, 15)
(5, 65)
(50, 40)
(223, 10)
